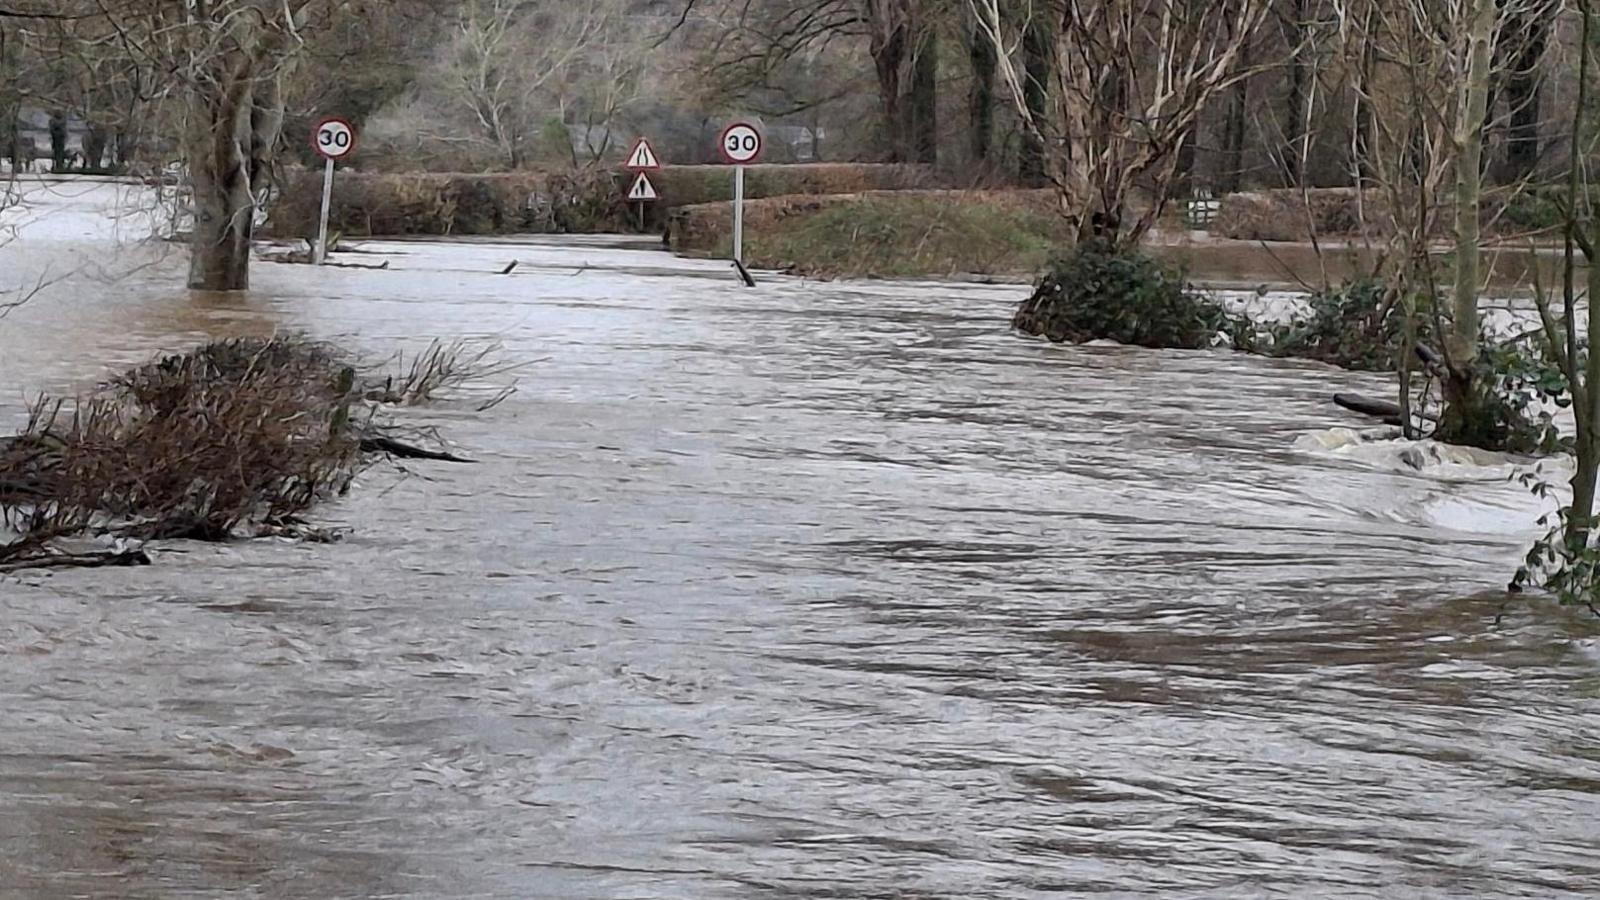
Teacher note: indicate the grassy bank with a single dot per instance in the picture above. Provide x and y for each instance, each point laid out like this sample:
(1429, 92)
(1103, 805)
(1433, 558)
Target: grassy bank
(883, 234)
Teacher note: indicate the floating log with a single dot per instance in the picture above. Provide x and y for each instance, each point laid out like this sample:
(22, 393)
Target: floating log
(1386, 410)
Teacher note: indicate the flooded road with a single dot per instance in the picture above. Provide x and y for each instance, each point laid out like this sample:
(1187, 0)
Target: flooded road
(802, 591)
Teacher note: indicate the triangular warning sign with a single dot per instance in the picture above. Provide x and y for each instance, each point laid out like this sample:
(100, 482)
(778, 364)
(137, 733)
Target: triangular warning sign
(642, 191)
(642, 158)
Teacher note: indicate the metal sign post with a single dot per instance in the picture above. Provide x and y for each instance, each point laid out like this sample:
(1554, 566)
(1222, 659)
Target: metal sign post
(739, 144)
(333, 139)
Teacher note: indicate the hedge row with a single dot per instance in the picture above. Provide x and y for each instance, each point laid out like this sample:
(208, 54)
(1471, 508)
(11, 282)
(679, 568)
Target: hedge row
(442, 204)
(547, 202)
(1293, 215)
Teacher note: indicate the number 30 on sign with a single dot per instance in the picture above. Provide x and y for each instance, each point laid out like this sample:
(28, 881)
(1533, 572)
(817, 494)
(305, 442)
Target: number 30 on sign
(740, 143)
(333, 138)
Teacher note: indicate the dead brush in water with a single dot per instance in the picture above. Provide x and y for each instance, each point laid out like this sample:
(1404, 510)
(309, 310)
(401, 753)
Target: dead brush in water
(445, 367)
(241, 436)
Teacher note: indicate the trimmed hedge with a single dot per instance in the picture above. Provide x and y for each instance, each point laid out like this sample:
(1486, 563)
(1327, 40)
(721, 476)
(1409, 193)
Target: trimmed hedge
(541, 202)
(690, 185)
(440, 204)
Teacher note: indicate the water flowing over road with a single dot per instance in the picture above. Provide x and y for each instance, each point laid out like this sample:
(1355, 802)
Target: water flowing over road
(811, 590)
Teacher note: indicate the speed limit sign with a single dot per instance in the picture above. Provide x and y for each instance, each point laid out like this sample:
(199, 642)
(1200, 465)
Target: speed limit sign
(333, 138)
(740, 143)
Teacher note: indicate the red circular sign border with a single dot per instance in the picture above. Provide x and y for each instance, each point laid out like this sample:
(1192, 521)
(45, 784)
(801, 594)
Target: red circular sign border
(722, 144)
(354, 137)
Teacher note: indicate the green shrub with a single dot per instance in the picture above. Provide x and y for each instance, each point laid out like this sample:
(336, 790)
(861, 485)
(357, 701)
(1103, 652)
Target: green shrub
(1344, 329)
(1095, 293)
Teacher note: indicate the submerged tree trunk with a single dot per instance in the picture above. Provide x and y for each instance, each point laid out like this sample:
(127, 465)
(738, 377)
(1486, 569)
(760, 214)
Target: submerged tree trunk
(125, 146)
(58, 141)
(94, 147)
(234, 125)
(1464, 418)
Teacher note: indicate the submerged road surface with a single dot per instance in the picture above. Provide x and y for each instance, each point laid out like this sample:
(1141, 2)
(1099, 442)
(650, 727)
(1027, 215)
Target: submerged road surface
(812, 590)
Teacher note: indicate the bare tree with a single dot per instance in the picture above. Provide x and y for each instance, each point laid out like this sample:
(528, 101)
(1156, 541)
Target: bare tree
(756, 39)
(505, 55)
(1127, 81)
(1426, 68)
(1576, 355)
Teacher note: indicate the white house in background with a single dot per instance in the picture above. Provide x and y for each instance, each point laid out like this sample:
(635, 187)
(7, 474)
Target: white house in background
(799, 142)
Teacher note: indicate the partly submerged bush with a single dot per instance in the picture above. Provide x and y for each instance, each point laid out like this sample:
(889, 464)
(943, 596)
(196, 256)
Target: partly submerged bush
(1095, 292)
(239, 436)
(1353, 326)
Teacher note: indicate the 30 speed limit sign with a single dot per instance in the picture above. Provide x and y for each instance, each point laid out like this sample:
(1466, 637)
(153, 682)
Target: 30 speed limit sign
(740, 143)
(333, 138)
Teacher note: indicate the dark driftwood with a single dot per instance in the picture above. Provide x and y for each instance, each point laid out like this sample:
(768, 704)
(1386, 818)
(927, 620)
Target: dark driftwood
(744, 274)
(1386, 410)
(381, 444)
(78, 560)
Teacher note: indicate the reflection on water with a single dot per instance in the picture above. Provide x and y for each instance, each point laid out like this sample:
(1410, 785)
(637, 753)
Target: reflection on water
(807, 590)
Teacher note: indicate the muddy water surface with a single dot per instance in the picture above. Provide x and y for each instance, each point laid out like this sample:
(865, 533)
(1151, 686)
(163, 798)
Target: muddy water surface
(801, 591)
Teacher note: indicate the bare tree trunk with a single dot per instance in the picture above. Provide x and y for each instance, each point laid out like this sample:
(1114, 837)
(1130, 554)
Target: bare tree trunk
(10, 102)
(94, 147)
(1524, 96)
(922, 107)
(981, 55)
(1295, 103)
(234, 125)
(58, 141)
(1463, 404)
(1233, 178)
(891, 44)
(1036, 64)
(125, 147)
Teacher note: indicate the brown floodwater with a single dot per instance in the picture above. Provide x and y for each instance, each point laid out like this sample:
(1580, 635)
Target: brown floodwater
(810, 590)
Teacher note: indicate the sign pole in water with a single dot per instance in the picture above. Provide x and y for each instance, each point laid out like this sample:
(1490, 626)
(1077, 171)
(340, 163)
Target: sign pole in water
(322, 223)
(738, 214)
(333, 138)
(739, 144)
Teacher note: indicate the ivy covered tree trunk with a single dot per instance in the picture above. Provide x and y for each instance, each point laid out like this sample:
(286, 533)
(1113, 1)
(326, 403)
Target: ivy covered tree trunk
(981, 56)
(890, 47)
(1036, 65)
(905, 59)
(922, 110)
